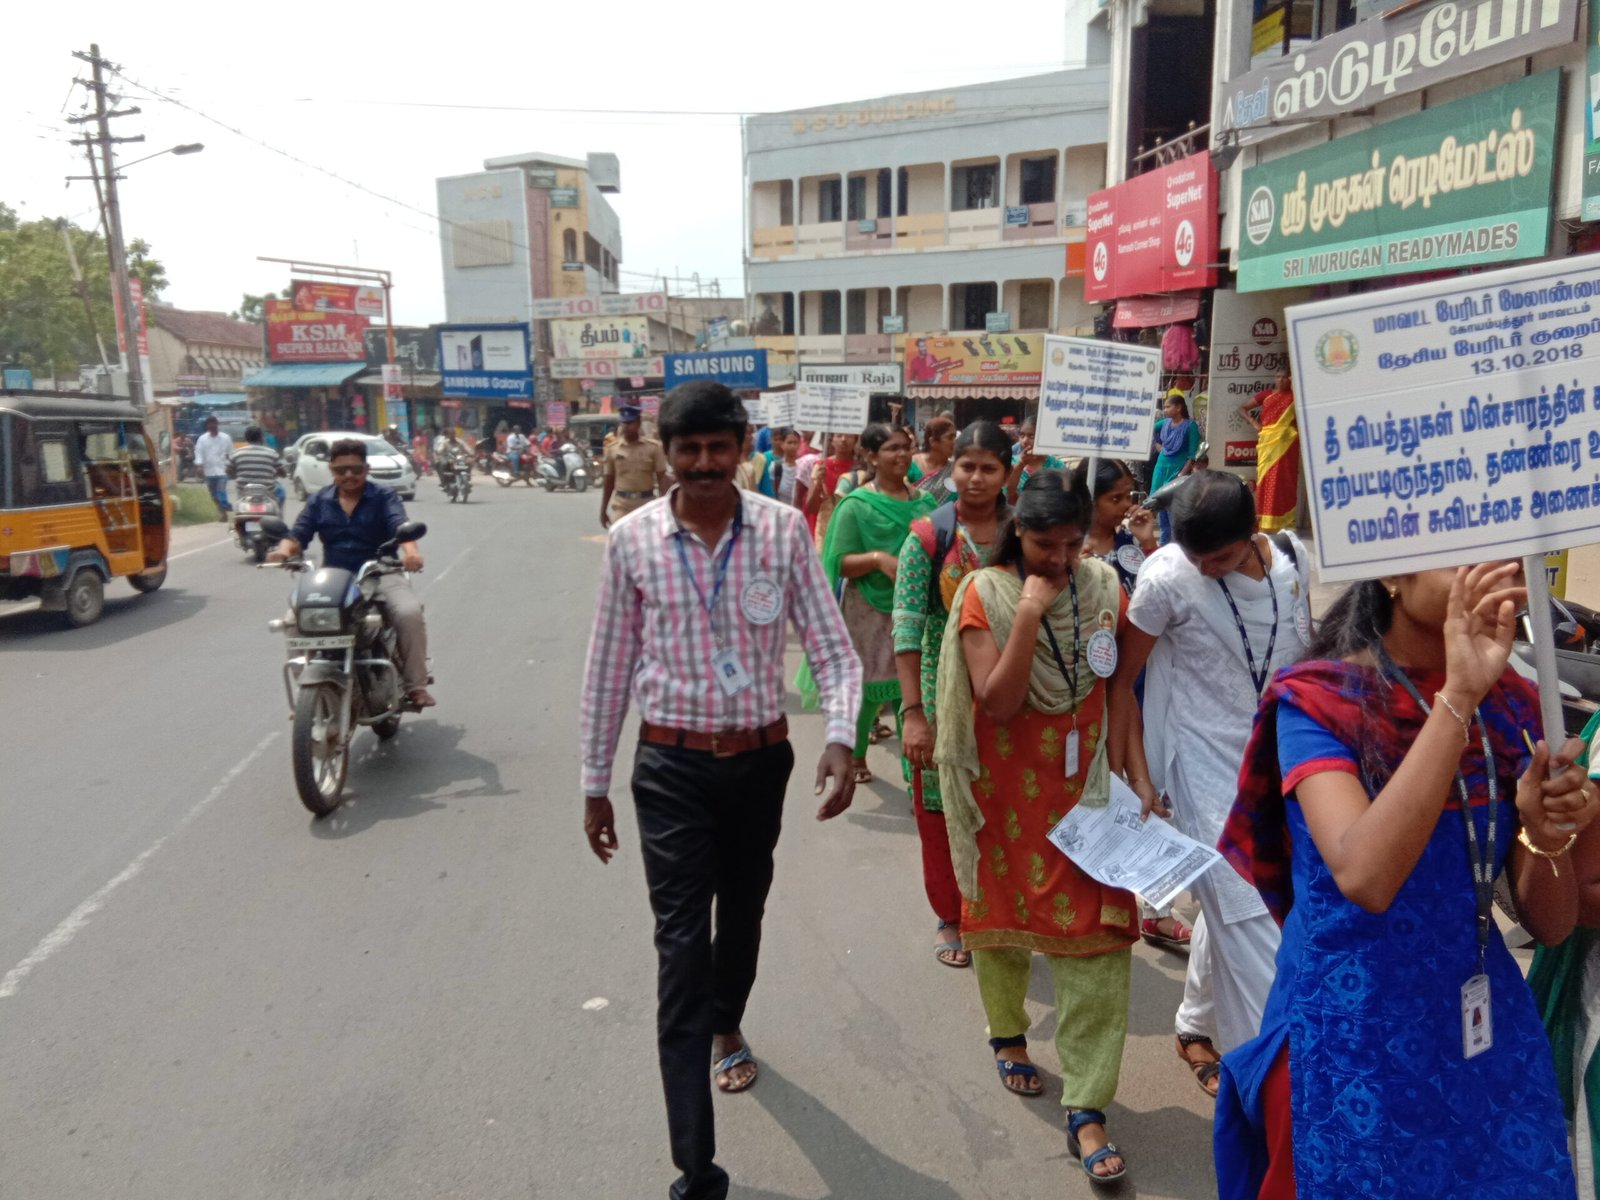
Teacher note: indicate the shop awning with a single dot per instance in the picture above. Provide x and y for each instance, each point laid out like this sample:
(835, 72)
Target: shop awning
(1140, 312)
(217, 400)
(974, 392)
(419, 379)
(303, 374)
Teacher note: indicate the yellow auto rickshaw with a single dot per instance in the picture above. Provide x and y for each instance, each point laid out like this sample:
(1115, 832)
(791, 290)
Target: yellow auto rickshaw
(81, 502)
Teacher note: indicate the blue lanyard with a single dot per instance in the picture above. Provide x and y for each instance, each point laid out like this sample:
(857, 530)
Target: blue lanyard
(1260, 680)
(722, 568)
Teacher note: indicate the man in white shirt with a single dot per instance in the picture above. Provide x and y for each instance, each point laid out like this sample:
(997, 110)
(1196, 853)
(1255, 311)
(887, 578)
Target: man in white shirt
(212, 450)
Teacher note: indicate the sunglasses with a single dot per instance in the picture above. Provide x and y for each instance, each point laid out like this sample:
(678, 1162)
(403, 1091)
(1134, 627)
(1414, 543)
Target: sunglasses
(351, 470)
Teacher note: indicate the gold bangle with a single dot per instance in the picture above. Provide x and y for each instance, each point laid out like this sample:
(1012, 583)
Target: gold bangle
(1466, 731)
(1549, 856)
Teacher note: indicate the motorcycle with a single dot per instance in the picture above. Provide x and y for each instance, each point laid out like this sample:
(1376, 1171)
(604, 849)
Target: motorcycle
(1577, 638)
(255, 503)
(506, 473)
(564, 468)
(455, 477)
(342, 671)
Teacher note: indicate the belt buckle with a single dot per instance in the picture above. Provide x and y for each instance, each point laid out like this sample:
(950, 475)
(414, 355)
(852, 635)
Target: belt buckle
(716, 746)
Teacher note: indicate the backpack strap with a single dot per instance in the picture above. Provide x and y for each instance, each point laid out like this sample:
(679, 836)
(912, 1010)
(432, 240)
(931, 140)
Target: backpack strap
(1285, 544)
(942, 523)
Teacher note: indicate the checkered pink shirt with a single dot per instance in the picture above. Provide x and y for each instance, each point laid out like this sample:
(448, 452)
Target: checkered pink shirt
(653, 640)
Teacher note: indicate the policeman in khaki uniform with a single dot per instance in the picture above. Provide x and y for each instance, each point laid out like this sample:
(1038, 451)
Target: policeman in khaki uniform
(635, 470)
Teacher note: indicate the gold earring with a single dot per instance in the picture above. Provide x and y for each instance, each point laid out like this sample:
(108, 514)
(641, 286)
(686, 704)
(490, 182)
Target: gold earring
(1394, 593)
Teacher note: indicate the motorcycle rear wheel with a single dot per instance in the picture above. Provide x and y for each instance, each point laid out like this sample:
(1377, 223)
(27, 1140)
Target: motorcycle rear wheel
(504, 480)
(580, 483)
(320, 757)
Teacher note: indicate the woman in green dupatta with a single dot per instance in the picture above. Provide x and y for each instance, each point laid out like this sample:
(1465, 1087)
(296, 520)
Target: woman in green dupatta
(1566, 985)
(861, 555)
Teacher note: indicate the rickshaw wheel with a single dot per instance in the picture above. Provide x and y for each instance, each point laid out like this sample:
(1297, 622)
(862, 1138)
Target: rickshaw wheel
(150, 580)
(86, 598)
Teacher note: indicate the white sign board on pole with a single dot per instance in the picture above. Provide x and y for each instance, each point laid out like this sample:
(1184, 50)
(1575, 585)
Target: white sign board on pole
(831, 408)
(1452, 422)
(1097, 399)
(779, 408)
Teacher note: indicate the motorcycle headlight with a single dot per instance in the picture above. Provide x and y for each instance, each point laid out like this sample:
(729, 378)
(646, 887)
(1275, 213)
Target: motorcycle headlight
(319, 620)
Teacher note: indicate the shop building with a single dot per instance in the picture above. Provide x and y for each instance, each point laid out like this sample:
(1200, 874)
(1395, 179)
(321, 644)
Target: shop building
(196, 353)
(957, 214)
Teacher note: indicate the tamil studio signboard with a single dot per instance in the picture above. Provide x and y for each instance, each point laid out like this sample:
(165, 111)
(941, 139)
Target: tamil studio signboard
(1460, 185)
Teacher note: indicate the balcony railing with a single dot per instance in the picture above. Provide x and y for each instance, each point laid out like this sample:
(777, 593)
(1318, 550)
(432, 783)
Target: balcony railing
(872, 233)
(974, 226)
(774, 241)
(919, 231)
(868, 347)
(826, 237)
(822, 345)
(1039, 221)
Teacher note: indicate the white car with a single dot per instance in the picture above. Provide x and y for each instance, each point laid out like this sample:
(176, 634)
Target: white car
(309, 472)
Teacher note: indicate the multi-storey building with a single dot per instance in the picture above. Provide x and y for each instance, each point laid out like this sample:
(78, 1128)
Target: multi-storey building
(933, 213)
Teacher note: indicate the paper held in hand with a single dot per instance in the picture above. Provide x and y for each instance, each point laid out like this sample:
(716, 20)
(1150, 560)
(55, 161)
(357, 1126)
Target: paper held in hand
(831, 407)
(1097, 399)
(778, 409)
(1114, 846)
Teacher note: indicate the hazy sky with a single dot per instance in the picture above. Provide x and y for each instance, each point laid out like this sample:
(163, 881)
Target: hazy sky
(380, 94)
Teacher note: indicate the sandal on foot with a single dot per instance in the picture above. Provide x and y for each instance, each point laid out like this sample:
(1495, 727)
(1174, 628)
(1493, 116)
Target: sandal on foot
(737, 1059)
(879, 732)
(861, 774)
(951, 954)
(1077, 1118)
(1025, 1075)
(1205, 1071)
(1178, 940)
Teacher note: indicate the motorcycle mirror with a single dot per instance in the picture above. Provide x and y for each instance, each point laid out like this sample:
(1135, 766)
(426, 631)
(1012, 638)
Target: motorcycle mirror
(411, 531)
(275, 526)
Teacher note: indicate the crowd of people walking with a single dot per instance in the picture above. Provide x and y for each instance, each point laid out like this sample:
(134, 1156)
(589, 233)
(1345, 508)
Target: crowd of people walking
(1037, 632)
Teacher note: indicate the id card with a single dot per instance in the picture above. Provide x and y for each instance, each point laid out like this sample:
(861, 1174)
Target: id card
(1071, 755)
(732, 678)
(1477, 1017)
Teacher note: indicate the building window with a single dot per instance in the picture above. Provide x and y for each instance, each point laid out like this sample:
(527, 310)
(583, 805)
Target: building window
(975, 187)
(591, 252)
(970, 303)
(903, 182)
(856, 200)
(828, 207)
(1033, 305)
(569, 246)
(855, 312)
(1038, 180)
(830, 314)
(883, 192)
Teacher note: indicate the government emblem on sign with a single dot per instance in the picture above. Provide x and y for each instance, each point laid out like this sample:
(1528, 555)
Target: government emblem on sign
(1336, 351)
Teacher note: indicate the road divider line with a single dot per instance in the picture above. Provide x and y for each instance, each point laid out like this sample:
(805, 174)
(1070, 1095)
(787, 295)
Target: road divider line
(439, 578)
(61, 936)
(198, 549)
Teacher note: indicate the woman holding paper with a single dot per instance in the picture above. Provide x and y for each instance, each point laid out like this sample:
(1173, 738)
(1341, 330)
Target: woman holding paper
(1021, 741)
(1389, 781)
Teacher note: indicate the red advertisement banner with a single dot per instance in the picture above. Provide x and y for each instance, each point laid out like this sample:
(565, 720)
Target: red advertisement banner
(1153, 234)
(342, 298)
(297, 335)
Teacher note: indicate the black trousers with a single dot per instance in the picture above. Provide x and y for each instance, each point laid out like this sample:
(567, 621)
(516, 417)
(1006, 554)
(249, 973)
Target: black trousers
(707, 829)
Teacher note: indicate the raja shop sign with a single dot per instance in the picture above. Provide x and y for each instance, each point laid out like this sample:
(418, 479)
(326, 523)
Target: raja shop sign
(1154, 233)
(297, 335)
(1389, 55)
(1460, 185)
(1005, 360)
(342, 298)
(601, 337)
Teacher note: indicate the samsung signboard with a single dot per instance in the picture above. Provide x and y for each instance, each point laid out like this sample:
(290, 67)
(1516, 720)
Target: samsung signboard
(731, 368)
(486, 362)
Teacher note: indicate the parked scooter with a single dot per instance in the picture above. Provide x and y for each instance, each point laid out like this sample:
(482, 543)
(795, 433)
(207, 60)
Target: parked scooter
(506, 472)
(1577, 637)
(455, 476)
(342, 671)
(564, 468)
(255, 503)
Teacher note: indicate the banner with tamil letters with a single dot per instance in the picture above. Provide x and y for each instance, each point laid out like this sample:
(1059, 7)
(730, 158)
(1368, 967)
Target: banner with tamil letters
(1097, 399)
(1452, 422)
(831, 407)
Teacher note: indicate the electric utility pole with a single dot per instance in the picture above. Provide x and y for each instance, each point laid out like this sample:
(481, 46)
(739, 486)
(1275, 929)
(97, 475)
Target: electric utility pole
(112, 211)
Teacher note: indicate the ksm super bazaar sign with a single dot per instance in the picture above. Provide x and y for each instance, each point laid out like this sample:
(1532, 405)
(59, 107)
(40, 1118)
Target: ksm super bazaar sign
(311, 336)
(1452, 422)
(1466, 183)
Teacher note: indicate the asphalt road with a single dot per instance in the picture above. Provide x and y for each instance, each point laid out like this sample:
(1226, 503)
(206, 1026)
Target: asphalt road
(438, 992)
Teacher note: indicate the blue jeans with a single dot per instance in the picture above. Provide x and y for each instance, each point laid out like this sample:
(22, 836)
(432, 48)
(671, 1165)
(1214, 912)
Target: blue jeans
(1165, 519)
(218, 485)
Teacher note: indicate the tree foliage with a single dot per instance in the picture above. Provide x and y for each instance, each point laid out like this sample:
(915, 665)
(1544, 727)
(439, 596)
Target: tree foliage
(43, 321)
(254, 308)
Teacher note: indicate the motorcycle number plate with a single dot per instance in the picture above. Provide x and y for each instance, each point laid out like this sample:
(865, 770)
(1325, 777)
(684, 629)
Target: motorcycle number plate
(252, 526)
(321, 643)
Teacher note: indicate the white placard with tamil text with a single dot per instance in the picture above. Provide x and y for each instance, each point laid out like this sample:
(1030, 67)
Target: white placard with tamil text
(1453, 422)
(1113, 844)
(831, 407)
(1097, 399)
(779, 408)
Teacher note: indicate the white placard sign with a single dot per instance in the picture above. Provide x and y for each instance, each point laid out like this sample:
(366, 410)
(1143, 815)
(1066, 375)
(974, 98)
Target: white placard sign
(1452, 422)
(831, 408)
(1097, 399)
(779, 408)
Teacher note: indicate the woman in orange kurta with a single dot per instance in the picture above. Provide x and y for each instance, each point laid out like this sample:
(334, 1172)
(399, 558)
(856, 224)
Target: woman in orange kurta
(1022, 741)
(1277, 455)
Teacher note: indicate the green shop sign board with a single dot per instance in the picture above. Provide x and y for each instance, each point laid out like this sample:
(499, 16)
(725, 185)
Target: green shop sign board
(1466, 183)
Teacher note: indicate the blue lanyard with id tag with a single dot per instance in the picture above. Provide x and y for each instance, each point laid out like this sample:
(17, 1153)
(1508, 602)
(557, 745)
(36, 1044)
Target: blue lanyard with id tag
(1070, 757)
(726, 667)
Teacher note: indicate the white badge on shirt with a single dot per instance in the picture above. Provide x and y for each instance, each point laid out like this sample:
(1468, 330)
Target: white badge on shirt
(1101, 651)
(1302, 621)
(1477, 1017)
(732, 678)
(1130, 558)
(762, 600)
(1070, 757)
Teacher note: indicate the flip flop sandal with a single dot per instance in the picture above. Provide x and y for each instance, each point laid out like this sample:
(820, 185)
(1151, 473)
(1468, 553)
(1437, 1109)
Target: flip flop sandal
(737, 1059)
(1021, 1072)
(1178, 941)
(1077, 1118)
(879, 732)
(1205, 1073)
(862, 775)
(946, 952)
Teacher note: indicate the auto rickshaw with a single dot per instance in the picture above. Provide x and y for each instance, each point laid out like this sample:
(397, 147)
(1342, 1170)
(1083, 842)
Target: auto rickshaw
(81, 502)
(589, 433)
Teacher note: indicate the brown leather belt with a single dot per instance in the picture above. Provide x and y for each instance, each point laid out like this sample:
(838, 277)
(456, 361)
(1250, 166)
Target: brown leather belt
(634, 495)
(725, 744)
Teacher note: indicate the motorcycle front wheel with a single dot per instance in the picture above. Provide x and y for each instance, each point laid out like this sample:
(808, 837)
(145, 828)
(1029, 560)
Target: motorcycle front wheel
(504, 480)
(320, 755)
(580, 483)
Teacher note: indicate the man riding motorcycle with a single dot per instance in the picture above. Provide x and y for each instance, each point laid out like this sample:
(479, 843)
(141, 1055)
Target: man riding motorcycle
(354, 517)
(517, 448)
